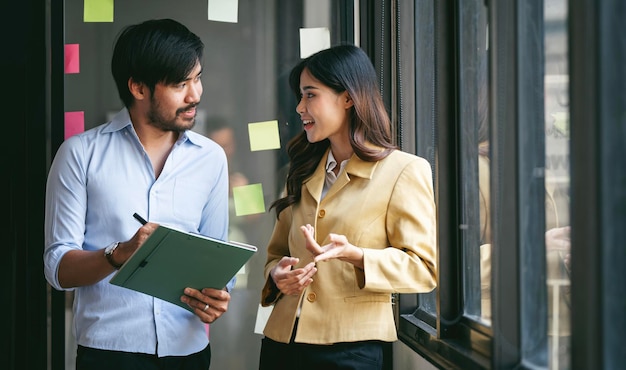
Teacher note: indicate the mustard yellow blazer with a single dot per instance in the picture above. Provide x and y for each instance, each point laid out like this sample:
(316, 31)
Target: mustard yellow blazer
(387, 208)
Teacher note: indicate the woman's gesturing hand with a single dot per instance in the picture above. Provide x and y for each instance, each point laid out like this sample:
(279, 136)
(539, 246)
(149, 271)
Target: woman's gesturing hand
(290, 280)
(339, 248)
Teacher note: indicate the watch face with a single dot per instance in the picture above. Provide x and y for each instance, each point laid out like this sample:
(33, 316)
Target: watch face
(110, 248)
(108, 253)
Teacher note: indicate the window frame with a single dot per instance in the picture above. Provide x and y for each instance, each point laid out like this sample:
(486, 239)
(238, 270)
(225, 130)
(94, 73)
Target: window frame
(457, 339)
(597, 54)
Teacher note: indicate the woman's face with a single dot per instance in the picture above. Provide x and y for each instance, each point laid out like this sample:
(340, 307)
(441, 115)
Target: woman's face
(323, 112)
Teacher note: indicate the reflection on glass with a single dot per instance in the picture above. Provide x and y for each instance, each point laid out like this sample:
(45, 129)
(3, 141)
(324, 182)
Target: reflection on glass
(557, 183)
(222, 132)
(475, 164)
(245, 69)
(484, 191)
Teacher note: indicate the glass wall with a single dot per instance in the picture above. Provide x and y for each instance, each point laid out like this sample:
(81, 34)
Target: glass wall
(475, 214)
(246, 63)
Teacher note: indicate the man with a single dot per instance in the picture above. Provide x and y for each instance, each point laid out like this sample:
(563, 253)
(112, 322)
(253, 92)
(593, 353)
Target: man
(145, 161)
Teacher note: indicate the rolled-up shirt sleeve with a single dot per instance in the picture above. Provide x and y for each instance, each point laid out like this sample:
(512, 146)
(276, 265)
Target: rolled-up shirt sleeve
(65, 208)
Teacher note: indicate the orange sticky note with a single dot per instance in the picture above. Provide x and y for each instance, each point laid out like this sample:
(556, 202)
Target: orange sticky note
(72, 58)
(74, 123)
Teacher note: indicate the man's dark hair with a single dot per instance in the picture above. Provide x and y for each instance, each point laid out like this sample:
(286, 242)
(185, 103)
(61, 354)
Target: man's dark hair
(158, 50)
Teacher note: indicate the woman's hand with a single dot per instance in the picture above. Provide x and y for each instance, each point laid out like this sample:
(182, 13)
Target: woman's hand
(289, 280)
(339, 248)
(558, 239)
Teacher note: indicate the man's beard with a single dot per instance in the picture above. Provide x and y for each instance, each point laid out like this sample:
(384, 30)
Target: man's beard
(158, 120)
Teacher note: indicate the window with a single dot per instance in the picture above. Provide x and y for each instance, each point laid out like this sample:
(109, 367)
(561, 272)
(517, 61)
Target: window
(557, 184)
(500, 172)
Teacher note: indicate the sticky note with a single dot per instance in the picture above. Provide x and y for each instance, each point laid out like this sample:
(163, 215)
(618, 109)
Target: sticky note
(248, 199)
(264, 135)
(313, 40)
(223, 10)
(98, 11)
(72, 58)
(74, 123)
(262, 315)
(561, 122)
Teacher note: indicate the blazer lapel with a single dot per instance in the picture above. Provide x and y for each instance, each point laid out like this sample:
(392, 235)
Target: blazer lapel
(315, 183)
(354, 167)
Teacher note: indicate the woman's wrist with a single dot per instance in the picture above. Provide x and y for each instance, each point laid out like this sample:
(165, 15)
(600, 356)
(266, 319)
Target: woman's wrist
(359, 258)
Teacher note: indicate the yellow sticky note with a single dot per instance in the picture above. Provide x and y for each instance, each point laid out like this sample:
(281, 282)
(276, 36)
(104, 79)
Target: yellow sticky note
(248, 199)
(264, 135)
(313, 40)
(98, 11)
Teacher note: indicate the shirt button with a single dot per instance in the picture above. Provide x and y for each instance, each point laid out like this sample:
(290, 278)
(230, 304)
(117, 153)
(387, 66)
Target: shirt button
(311, 297)
(322, 213)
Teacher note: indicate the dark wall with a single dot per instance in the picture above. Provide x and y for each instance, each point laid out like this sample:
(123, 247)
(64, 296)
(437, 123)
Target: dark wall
(24, 163)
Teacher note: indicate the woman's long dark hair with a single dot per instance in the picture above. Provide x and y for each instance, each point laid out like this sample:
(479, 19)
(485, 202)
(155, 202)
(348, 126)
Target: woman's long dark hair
(342, 68)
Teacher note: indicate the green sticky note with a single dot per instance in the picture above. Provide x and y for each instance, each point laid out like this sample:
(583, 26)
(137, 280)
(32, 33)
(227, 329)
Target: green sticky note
(98, 11)
(248, 199)
(561, 122)
(264, 135)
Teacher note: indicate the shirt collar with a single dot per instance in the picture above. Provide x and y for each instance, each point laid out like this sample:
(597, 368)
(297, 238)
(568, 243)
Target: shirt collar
(121, 120)
(331, 162)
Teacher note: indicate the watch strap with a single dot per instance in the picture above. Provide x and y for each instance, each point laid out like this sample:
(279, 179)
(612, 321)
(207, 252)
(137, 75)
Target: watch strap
(108, 253)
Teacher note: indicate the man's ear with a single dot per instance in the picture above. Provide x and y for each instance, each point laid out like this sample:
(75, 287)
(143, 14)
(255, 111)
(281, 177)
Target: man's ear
(137, 89)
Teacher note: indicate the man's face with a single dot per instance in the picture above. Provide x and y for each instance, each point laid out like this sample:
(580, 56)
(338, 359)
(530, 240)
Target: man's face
(173, 107)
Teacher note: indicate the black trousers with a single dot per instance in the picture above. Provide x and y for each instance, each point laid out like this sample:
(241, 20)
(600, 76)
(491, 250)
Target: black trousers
(98, 359)
(365, 355)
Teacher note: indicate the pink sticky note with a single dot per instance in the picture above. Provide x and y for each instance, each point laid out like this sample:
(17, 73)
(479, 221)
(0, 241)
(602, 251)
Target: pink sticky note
(72, 60)
(74, 123)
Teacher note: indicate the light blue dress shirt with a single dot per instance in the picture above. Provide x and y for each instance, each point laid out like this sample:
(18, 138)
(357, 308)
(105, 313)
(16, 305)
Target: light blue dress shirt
(97, 180)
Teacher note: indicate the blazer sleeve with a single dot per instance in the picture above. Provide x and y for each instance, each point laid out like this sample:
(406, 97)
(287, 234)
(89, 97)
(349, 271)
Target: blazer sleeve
(277, 248)
(408, 265)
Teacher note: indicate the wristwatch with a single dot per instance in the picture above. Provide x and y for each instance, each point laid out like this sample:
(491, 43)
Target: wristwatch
(108, 253)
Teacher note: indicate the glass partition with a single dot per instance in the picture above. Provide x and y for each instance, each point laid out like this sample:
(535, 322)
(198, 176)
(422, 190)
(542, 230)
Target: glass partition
(475, 223)
(247, 60)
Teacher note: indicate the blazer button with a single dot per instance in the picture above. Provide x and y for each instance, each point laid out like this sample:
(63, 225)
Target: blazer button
(311, 297)
(322, 213)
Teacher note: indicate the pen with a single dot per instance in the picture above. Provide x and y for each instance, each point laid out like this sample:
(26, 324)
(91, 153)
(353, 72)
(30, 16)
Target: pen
(139, 218)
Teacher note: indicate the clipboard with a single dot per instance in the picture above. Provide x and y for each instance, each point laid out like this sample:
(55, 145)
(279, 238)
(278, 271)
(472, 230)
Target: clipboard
(171, 260)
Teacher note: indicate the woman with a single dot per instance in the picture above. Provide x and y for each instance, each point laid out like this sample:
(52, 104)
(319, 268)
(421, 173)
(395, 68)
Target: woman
(357, 223)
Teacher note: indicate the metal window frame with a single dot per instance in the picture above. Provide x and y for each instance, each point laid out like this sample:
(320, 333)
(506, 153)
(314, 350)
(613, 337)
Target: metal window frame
(459, 340)
(598, 177)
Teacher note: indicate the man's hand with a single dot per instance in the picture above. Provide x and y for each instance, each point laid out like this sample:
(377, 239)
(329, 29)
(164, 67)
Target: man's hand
(209, 304)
